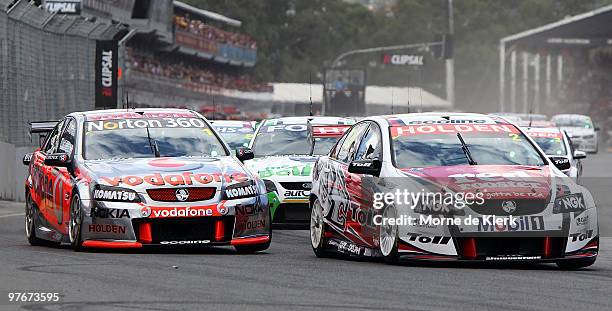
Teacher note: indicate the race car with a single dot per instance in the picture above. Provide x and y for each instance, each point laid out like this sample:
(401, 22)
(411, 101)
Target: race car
(236, 134)
(285, 150)
(535, 123)
(142, 177)
(448, 187)
(558, 147)
(525, 119)
(581, 130)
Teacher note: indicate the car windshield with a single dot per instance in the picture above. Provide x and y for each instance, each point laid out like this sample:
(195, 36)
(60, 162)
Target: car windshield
(438, 145)
(235, 137)
(172, 137)
(286, 139)
(324, 144)
(584, 122)
(551, 143)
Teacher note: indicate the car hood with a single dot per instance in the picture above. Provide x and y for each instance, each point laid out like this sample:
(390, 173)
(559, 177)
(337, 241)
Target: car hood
(283, 168)
(494, 181)
(143, 174)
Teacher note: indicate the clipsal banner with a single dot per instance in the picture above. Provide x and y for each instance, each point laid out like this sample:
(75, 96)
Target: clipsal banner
(106, 73)
(403, 59)
(63, 6)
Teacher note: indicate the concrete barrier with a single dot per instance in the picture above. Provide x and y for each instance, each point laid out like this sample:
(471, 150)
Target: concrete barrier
(13, 172)
(7, 171)
(20, 172)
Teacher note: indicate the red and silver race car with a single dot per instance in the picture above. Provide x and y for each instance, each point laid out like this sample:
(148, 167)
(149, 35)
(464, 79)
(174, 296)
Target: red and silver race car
(140, 177)
(448, 187)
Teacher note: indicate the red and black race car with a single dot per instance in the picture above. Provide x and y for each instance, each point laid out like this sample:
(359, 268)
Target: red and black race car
(139, 177)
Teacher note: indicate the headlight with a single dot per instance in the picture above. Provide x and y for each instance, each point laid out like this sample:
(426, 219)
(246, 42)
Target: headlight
(115, 194)
(270, 186)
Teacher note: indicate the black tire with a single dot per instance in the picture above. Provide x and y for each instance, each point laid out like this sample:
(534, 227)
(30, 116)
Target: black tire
(317, 230)
(388, 239)
(31, 222)
(250, 249)
(574, 264)
(75, 222)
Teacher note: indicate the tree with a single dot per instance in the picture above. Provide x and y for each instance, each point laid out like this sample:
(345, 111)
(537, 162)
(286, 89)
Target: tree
(297, 38)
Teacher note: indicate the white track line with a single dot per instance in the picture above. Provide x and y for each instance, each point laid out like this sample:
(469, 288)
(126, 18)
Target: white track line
(12, 215)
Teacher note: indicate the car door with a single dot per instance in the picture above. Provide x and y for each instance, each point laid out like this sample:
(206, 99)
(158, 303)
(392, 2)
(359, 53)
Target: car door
(63, 182)
(360, 187)
(336, 204)
(46, 177)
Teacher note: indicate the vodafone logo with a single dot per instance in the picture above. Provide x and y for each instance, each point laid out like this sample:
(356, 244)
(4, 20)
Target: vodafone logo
(182, 212)
(184, 178)
(221, 209)
(171, 212)
(145, 211)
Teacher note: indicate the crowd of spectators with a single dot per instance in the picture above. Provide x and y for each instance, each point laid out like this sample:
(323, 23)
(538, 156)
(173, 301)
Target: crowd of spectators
(198, 27)
(194, 77)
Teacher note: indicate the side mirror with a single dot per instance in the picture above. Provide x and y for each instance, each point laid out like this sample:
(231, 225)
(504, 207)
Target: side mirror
(244, 154)
(579, 154)
(366, 167)
(57, 159)
(562, 163)
(27, 158)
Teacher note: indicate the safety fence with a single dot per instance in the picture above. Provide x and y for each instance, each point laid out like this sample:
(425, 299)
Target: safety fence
(47, 66)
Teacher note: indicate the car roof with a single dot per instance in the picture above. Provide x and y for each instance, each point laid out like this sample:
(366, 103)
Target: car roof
(110, 114)
(571, 116)
(442, 118)
(232, 123)
(542, 129)
(313, 120)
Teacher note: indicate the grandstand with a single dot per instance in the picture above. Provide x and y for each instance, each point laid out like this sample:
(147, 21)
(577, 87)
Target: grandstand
(179, 55)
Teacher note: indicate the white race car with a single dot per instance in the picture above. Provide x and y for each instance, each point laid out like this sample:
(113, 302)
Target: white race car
(448, 187)
(235, 133)
(558, 147)
(581, 130)
(285, 151)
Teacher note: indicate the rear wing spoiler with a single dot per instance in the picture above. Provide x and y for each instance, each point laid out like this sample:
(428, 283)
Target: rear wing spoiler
(42, 127)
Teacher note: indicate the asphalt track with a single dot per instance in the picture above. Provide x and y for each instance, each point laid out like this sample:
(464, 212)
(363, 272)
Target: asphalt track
(288, 276)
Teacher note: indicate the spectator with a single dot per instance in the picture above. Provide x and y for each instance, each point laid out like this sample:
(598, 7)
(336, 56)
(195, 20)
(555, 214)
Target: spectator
(192, 76)
(199, 28)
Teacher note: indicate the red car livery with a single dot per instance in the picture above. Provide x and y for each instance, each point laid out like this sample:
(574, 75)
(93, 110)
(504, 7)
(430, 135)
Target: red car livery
(128, 179)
